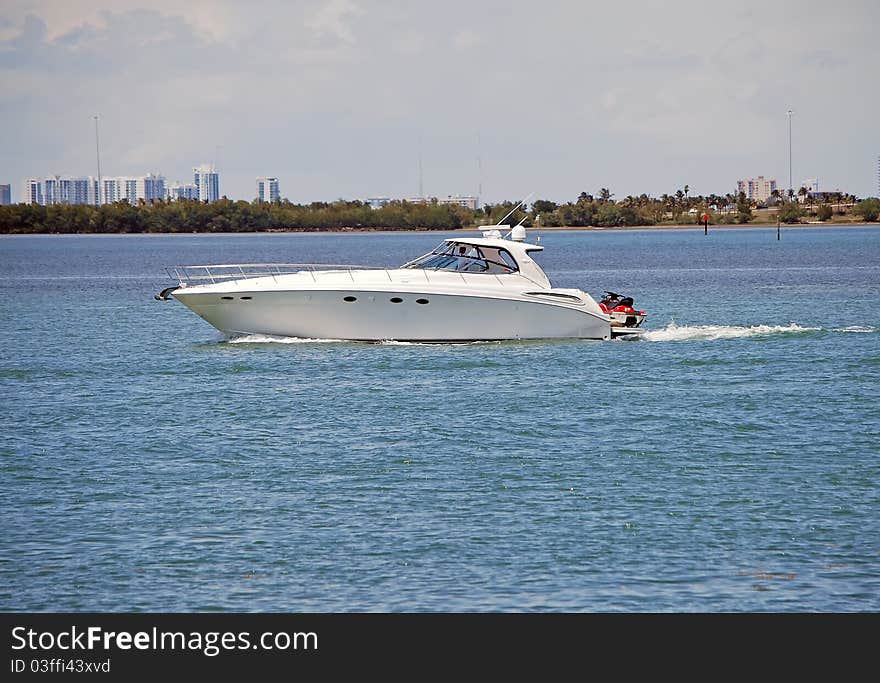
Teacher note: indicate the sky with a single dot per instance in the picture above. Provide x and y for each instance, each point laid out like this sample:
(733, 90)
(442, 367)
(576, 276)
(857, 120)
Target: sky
(348, 98)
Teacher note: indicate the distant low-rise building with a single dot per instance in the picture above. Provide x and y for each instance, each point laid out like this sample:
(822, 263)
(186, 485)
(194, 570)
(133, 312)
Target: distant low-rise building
(267, 189)
(468, 202)
(378, 202)
(757, 189)
(5, 195)
(825, 195)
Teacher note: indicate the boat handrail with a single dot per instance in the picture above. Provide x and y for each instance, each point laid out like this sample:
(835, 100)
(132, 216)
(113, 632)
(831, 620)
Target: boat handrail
(240, 271)
(227, 272)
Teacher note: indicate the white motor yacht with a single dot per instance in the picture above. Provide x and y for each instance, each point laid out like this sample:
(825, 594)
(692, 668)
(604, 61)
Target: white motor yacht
(466, 289)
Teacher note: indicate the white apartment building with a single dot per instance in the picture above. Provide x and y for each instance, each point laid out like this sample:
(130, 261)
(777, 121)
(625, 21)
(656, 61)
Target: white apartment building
(75, 190)
(181, 191)
(758, 189)
(468, 202)
(58, 189)
(111, 190)
(267, 189)
(33, 191)
(378, 202)
(151, 187)
(207, 182)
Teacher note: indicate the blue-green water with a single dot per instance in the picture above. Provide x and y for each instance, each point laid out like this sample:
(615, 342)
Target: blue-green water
(729, 462)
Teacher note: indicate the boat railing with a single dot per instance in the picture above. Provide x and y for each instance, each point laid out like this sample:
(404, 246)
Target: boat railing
(192, 275)
(197, 275)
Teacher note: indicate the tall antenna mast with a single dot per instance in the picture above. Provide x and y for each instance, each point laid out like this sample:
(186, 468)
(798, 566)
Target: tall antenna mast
(790, 188)
(98, 157)
(479, 170)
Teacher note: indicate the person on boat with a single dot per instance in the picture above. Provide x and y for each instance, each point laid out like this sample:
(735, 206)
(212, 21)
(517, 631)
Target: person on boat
(464, 258)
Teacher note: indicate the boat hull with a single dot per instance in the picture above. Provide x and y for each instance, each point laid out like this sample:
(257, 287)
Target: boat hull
(381, 315)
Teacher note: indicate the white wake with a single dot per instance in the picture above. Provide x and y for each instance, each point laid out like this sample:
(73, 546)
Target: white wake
(673, 332)
(861, 329)
(271, 339)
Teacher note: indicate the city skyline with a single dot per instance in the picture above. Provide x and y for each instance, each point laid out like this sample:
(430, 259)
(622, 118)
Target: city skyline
(343, 99)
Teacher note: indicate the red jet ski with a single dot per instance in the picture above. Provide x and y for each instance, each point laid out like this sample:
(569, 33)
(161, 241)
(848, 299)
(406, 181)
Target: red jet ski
(624, 318)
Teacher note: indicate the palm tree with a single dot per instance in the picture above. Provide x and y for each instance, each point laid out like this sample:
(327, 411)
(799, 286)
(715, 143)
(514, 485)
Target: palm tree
(664, 203)
(605, 194)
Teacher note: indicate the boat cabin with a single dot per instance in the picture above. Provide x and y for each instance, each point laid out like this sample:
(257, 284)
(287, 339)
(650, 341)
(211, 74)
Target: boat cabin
(482, 255)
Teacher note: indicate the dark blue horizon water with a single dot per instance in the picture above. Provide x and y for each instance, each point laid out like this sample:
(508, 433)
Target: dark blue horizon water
(728, 462)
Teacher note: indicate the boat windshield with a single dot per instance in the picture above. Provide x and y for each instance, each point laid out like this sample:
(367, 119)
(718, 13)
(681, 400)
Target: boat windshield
(466, 258)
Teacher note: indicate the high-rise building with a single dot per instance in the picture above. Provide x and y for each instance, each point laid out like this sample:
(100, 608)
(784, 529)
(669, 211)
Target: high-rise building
(130, 189)
(267, 189)
(58, 189)
(133, 189)
(110, 190)
(93, 196)
(758, 189)
(65, 190)
(151, 187)
(179, 191)
(51, 190)
(5, 195)
(33, 191)
(207, 182)
(74, 190)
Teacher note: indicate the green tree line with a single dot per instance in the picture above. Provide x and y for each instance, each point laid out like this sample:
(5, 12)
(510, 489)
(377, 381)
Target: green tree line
(226, 215)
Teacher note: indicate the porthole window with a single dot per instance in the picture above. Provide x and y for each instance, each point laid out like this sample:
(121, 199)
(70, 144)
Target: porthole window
(227, 298)
(245, 298)
(349, 299)
(421, 301)
(396, 300)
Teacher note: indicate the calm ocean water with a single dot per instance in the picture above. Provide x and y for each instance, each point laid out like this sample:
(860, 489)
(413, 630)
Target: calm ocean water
(728, 462)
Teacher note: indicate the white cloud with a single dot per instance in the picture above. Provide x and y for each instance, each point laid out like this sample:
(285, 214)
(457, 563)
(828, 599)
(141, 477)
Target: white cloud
(212, 21)
(331, 19)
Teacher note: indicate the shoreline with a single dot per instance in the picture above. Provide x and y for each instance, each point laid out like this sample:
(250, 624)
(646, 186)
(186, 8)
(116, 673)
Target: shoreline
(561, 228)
